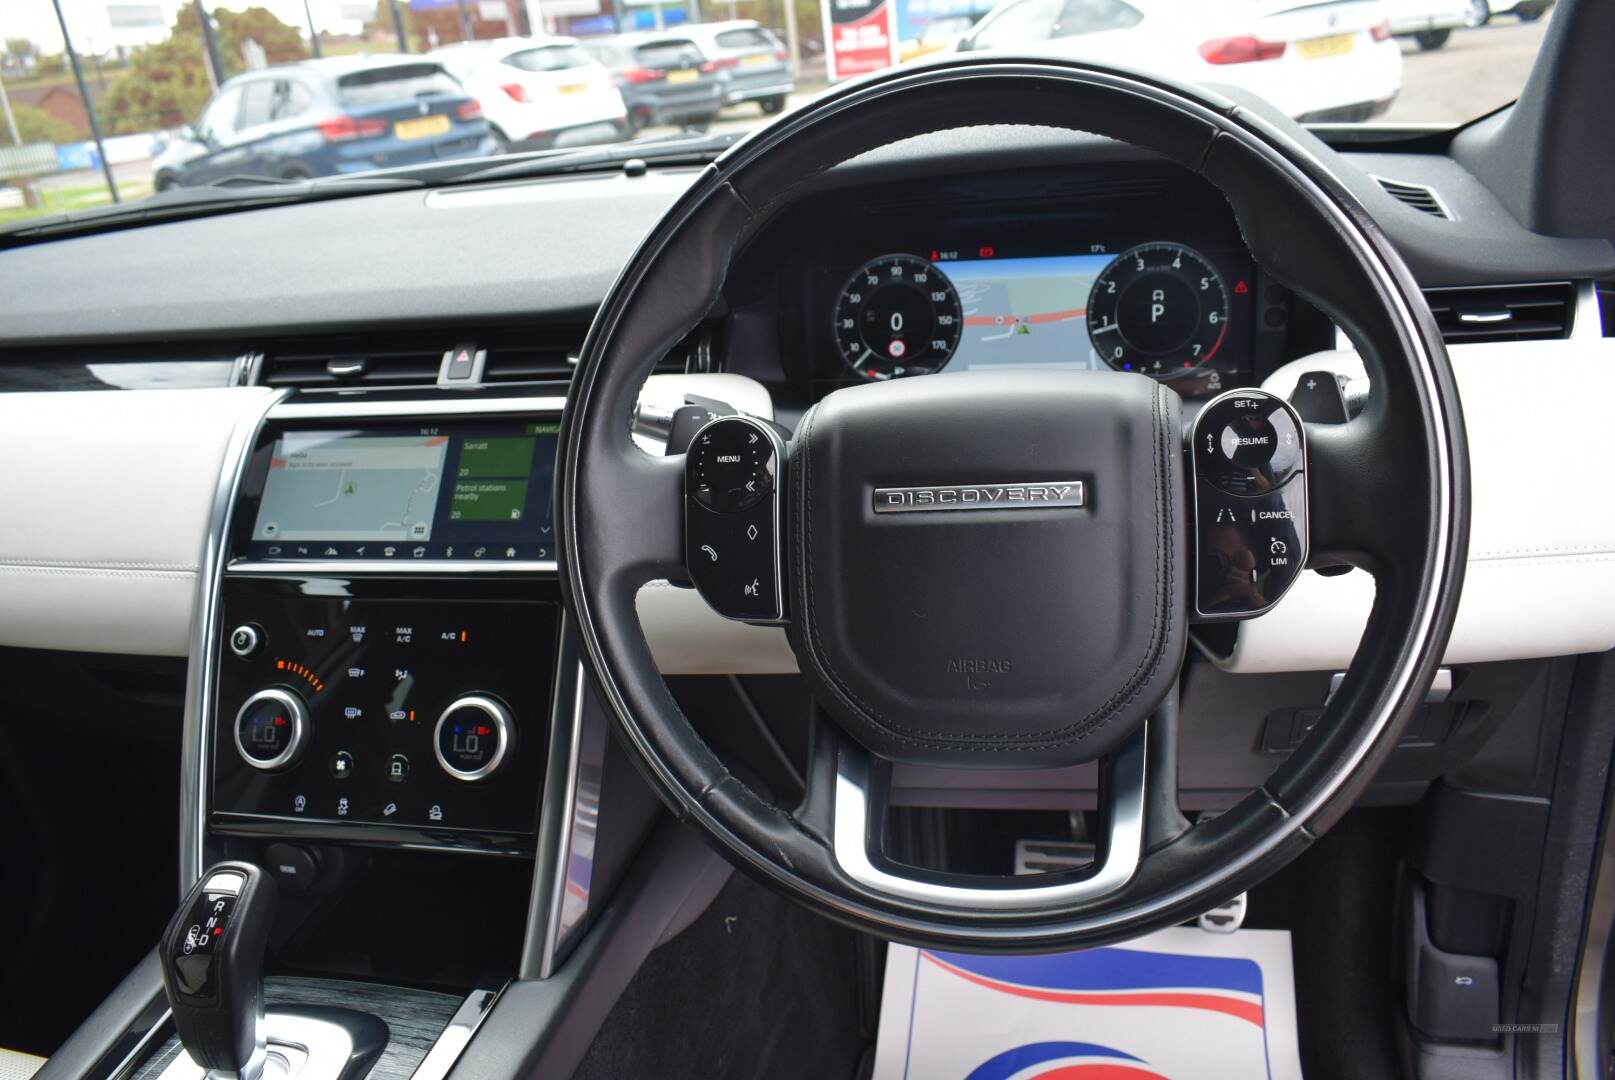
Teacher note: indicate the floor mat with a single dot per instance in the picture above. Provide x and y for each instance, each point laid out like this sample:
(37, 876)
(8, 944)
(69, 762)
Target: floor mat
(756, 987)
(1180, 1004)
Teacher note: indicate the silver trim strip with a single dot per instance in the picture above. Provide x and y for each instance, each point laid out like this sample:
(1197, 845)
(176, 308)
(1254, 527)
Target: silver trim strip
(197, 735)
(456, 1035)
(549, 957)
(149, 1043)
(1440, 686)
(854, 837)
(386, 566)
(1589, 318)
(436, 407)
(1589, 1060)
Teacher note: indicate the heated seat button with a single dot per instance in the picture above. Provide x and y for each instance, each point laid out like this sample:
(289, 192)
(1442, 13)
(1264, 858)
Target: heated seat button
(246, 640)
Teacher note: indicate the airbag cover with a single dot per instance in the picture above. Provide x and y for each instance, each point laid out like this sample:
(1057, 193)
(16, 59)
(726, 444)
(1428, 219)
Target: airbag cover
(1034, 633)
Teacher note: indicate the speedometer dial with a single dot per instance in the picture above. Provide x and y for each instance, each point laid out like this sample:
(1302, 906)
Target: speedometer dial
(898, 315)
(1160, 309)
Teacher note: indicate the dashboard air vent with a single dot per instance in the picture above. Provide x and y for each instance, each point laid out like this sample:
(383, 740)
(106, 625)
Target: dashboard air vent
(531, 354)
(1503, 312)
(319, 365)
(539, 354)
(552, 354)
(1418, 196)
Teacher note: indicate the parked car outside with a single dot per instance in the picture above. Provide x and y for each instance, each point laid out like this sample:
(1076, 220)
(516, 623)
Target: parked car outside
(752, 63)
(346, 114)
(1332, 62)
(539, 92)
(1428, 22)
(940, 34)
(663, 79)
(1482, 12)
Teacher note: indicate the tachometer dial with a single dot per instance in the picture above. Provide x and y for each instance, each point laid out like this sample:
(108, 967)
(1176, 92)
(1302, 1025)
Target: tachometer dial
(1160, 309)
(898, 315)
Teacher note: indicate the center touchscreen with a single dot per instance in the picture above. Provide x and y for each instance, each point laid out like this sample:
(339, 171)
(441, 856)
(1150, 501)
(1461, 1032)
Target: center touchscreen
(476, 491)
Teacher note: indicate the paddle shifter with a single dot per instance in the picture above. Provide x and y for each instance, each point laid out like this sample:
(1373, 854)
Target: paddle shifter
(213, 956)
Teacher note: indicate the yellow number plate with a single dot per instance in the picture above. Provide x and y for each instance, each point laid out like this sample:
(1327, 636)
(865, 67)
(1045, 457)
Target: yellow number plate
(423, 128)
(1322, 47)
(685, 75)
(759, 60)
(574, 88)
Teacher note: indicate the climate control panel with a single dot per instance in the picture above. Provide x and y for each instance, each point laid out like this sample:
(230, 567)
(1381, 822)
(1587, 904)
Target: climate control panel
(353, 712)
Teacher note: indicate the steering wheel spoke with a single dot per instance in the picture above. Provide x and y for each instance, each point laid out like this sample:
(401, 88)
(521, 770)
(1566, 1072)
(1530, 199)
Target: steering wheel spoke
(862, 790)
(636, 535)
(1361, 481)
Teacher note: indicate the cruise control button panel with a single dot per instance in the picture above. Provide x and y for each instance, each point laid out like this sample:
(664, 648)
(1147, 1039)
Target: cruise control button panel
(1247, 442)
(1249, 466)
(732, 518)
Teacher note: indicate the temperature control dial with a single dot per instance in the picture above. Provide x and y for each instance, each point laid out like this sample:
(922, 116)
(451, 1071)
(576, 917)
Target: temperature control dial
(472, 738)
(272, 729)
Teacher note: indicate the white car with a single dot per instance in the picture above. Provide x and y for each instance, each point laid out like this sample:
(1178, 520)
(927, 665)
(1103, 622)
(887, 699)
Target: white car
(539, 92)
(1320, 63)
(1429, 22)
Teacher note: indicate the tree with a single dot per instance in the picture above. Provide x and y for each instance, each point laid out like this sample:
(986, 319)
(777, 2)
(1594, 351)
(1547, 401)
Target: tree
(167, 83)
(21, 50)
(166, 86)
(36, 125)
(282, 44)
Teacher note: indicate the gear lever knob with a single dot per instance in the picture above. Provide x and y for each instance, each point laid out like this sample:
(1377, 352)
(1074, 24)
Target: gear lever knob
(212, 958)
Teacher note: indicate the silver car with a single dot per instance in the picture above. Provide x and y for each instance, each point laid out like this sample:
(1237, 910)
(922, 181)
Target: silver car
(753, 64)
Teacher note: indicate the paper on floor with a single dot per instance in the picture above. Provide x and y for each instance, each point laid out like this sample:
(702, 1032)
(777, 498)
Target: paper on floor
(1180, 1004)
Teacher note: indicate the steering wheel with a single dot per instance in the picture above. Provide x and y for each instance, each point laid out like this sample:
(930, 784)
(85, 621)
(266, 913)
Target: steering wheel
(1004, 639)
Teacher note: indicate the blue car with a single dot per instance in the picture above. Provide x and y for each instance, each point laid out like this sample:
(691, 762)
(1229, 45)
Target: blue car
(349, 114)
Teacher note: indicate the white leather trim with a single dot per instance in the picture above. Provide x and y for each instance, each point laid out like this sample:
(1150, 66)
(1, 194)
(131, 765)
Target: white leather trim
(104, 505)
(1541, 572)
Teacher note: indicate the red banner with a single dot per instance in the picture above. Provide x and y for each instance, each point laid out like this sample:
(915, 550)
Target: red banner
(860, 36)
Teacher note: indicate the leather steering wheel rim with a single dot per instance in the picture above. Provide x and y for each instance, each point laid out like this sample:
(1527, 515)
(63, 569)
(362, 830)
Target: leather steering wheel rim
(1390, 494)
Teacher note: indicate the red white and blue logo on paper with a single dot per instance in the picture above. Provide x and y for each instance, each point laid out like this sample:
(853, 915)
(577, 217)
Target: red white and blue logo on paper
(1178, 1005)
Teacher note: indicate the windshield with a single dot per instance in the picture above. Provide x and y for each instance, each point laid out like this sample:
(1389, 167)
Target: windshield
(144, 96)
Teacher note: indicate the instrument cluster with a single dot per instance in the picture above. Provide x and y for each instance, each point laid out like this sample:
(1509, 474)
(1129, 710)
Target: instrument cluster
(1180, 314)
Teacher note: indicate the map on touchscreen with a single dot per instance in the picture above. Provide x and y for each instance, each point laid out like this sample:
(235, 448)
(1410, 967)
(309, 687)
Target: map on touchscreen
(340, 487)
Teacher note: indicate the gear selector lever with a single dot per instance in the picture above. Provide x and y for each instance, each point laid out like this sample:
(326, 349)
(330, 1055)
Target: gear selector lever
(212, 958)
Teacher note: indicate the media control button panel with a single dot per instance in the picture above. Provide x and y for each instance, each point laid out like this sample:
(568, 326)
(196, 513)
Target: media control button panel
(427, 714)
(1249, 456)
(732, 518)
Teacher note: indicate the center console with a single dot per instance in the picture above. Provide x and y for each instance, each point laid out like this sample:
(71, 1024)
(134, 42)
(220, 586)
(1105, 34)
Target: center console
(388, 628)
